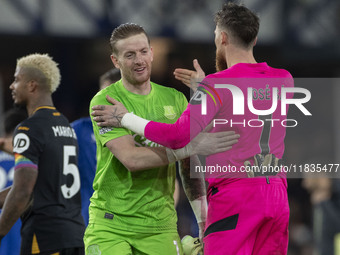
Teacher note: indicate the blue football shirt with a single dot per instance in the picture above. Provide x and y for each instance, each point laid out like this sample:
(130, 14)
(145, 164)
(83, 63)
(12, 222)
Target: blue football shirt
(87, 161)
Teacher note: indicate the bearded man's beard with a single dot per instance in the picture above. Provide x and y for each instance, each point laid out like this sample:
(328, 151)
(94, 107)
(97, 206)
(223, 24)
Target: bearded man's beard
(221, 63)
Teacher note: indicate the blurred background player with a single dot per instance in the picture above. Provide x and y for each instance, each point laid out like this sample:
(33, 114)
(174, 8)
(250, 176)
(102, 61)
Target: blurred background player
(87, 161)
(108, 78)
(46, 186)
(325, 198)
(10, 244)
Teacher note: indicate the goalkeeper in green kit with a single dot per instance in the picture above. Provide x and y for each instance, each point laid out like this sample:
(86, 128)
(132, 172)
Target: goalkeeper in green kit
(132, 207)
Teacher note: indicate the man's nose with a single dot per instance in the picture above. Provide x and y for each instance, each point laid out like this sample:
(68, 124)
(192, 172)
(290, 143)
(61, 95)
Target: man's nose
(138, 59)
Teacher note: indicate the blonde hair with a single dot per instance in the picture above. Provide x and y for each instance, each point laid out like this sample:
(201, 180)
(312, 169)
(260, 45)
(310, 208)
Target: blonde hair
(45, 64)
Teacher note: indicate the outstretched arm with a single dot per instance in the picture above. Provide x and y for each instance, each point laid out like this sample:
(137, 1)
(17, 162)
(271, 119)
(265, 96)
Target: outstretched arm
(140, 158)
(190, 78)
(174, 136)
(195, 191)
(137, 158)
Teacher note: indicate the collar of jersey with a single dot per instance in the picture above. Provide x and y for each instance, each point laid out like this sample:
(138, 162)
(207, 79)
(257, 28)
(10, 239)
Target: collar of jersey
(250, 65)
(44, 107)
(130, 94)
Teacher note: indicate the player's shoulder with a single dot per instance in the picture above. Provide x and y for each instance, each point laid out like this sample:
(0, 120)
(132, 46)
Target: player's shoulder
(250, 70)
(29, 123)
(234, 71)
(215, 75)
(41, 119)
(165, 90)
(280, 72)
(100, 96)
(30, 128)
(161, 88)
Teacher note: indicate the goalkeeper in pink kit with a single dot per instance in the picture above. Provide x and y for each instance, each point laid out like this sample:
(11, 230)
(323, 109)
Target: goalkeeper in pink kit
(246, 215)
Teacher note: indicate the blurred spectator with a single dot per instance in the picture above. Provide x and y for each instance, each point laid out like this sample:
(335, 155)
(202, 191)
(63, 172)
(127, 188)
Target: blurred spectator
(325, 198)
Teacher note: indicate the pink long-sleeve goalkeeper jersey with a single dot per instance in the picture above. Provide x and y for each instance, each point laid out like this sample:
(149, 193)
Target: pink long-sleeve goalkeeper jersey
(222, 98)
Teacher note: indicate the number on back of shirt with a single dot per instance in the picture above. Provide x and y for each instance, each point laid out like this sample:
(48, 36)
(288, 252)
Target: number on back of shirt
(72, 169)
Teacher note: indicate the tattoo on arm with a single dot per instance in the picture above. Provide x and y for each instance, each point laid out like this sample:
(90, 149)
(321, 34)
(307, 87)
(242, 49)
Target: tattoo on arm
(117, 117)
(193, 187)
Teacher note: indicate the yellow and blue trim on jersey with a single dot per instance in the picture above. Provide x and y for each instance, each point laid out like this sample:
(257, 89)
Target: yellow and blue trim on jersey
(21, 161)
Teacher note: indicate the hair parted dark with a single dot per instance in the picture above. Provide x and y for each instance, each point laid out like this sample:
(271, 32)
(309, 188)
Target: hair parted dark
(242, 23)
(124, 31)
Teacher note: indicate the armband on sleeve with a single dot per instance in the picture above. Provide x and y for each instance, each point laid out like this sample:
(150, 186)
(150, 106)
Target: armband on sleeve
(21, 161)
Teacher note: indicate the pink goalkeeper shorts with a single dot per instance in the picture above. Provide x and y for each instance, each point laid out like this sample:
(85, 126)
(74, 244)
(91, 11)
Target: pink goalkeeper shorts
(248, 217)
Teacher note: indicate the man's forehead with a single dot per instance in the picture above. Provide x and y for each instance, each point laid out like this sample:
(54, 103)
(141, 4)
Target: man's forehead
(132, 43)
(18, 71)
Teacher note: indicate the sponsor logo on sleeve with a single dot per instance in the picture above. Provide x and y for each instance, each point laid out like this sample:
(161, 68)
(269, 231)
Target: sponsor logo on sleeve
(21, 143)
(23, 128)
(104, 130)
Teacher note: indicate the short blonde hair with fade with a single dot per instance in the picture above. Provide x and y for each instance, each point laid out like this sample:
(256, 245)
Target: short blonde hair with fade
(45, 64)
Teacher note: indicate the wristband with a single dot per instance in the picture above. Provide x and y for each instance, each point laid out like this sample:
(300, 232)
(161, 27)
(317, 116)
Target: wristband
(200, 208)
(176, 155)
(134, 123)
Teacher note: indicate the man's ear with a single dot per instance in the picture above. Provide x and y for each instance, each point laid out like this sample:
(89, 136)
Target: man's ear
(115, 61)
(151, 49)
(224, 38)
(32, 85)
(255, 41)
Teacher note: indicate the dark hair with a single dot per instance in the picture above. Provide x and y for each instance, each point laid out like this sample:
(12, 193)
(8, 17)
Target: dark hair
(124, 31)
(12, 119)
(112, 76)
(240, 22)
